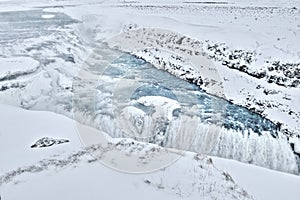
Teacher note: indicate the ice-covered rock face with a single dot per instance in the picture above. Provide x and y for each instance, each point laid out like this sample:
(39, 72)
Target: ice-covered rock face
(155, 120)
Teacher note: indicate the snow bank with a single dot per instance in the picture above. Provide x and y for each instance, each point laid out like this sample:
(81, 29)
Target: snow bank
(264, 184)
(58, 177)
(10, 68)
(71, 171)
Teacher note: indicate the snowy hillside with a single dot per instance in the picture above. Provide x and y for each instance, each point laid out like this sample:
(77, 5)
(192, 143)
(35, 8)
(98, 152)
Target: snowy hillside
(191, 99)
(72, 170)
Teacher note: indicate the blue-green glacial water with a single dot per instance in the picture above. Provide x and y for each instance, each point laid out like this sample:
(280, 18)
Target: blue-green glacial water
(212, 110)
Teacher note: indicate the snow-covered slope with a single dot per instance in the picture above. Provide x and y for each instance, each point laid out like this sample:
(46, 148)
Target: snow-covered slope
(238, 40)
(246, 53)
(73, 170)
(11, 68)
(261, 182)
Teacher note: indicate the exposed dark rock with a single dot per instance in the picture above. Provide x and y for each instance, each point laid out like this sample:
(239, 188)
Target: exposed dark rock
(47, 142)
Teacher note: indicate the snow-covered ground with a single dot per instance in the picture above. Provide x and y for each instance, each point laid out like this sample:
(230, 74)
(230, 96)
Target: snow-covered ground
(260, 182)
(11, 68)
(64, 57)
(72, 170)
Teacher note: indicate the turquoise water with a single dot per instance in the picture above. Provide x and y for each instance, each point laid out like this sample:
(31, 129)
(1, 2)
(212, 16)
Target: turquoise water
(155, 82)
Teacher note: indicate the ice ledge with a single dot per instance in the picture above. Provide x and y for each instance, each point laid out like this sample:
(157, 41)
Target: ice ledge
(13, 67)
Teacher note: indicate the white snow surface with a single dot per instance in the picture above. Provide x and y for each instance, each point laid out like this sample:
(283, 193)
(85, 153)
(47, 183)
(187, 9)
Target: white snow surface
(86, 179)
(17, 66)
(262, 183)
(271, 30)
(48, 16)
(164, 105)
(67, 171)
